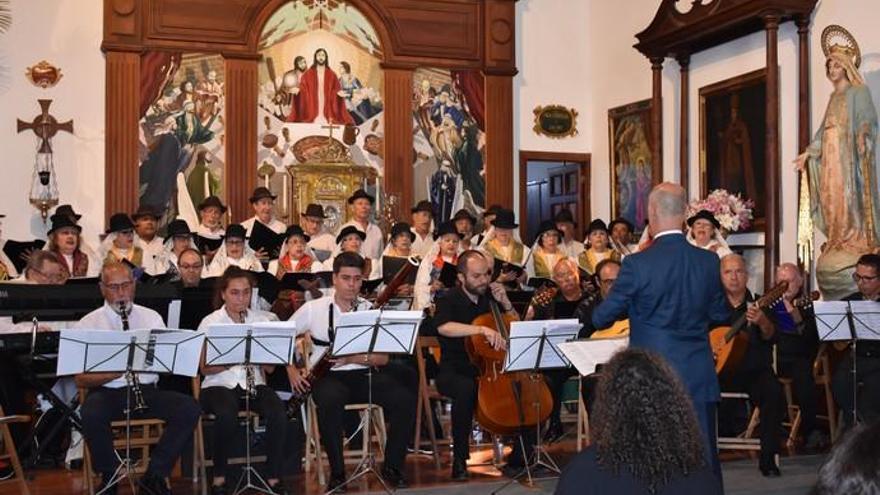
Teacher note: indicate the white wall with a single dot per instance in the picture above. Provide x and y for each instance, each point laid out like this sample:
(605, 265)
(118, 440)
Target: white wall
(67, 33)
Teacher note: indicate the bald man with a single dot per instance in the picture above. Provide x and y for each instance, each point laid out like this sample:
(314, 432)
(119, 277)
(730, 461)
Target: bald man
(671, 291)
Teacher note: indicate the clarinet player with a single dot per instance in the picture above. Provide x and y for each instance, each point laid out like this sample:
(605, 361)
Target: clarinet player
(106, 398)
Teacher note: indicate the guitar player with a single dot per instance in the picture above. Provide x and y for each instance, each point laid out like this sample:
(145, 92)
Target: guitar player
(754, 374)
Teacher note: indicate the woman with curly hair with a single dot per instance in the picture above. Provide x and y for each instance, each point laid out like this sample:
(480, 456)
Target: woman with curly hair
(645, 435)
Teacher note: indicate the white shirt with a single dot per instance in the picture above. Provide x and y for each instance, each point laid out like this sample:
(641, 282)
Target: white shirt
(276, 225)
(373, 244)
(219, 265)
(421, 246)
(207, 233)
(154, 253)
(106, 318)
(313, 317)
(323, 241)
(422, 296)
(235, 376)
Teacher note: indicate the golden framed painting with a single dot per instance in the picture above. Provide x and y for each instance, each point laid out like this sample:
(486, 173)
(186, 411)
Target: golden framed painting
(633, 172)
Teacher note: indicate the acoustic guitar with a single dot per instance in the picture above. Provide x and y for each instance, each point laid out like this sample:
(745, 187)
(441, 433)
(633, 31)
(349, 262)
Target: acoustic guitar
(729, 344)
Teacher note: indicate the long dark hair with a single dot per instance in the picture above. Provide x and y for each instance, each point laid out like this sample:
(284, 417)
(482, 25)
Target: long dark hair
(644, 421)
(853, 468)
(232, 272)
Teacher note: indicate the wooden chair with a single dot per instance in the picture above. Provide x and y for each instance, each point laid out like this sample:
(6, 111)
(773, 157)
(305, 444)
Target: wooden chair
(583, 420)
(427, 393)
(8, 453)
(822, 377)
(745, 440)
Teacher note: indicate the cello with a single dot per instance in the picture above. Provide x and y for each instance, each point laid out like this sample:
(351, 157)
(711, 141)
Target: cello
(506, 402)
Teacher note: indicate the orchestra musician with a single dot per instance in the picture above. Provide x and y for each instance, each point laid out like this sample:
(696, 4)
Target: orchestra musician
(422, 225)
(671, 291)
(428, 287)
(223, 387)
(107, 392)
(547, 252)
(347, 382)
(119, 243)
(867, 278)
(190, 264)
(796, 351)
(457, 376)
(566, 225)
(754, 374)
(597, 236)
(361, 205)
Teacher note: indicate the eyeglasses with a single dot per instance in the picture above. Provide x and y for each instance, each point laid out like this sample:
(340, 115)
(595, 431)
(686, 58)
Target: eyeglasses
(607, 281)
(861, 278)
(122, 286)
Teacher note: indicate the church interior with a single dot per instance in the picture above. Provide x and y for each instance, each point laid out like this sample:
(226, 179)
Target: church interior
(250, 138)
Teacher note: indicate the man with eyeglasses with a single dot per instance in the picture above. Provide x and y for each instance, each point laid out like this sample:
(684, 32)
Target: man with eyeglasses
(43, 268)
(190, 264)
(867, 278)
(106, 398)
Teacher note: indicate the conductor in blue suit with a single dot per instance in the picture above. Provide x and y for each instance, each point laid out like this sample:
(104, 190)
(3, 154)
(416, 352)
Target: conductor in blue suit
(671, 291)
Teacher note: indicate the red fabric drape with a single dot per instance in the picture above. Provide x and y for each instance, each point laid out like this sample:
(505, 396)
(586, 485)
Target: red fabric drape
(157, 68)
(470, 84)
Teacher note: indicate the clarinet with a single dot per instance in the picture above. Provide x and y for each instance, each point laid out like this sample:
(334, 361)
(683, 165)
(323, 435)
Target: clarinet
(131, 378)
(250, 377)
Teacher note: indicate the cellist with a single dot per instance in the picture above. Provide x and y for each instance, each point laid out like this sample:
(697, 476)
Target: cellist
(457, 377)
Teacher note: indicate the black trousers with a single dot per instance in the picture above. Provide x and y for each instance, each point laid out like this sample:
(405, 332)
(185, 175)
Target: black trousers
(225, 403)
(800, 370)
(765, 391)
(868, 374)
(104, 405)
(338, 388)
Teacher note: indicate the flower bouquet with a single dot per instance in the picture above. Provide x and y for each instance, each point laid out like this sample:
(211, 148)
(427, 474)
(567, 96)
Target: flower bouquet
(734, 213)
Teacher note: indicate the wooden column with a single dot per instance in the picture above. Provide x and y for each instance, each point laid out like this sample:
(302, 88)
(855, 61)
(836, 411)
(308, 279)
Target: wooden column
(121, 123)
(399, 136)
(771, 175)
(241, 134)
(684, 62)
(803, 29)
(657, 111)
(499, 140)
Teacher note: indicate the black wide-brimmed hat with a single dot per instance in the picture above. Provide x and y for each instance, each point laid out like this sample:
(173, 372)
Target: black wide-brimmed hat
(62, 221)
(212, 201)
(505, 219)
(178, 228)
(547, 226)
(400, 228)
(361, 194)
(423, 205)
(260, 193)
(351, 229)
(314, 210)
(236, 230)
(704, 215)
(119, 222)
(622, 221)
(597, 224)
(464, 214)
(446, 228)
(67, 210)
(296, 230)
(564, 216)
(492, 210)
(146, 211)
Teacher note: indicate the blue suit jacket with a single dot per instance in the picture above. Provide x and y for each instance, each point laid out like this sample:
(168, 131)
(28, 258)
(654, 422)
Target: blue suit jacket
(671, 292)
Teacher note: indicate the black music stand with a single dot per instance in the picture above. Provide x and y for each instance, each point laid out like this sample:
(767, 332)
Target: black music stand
(129, 352)
(533, 347)
(849, 321)
(373, 332)
(248, 344)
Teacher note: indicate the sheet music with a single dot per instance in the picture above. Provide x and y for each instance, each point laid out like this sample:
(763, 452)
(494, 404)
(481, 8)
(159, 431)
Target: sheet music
(524, 344)
(176, 351)
(272, 343)
(866, 318)
(395, 332)
(831, 321)
(173, 320)
(585, 355)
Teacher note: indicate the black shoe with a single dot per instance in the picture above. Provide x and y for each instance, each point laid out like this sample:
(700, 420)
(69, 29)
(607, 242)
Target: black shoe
(394, 477)
(218, 489)
(769, 469)
(151, 484)
(459, 470)
(334, 485)
(105, 480)
(512, 471)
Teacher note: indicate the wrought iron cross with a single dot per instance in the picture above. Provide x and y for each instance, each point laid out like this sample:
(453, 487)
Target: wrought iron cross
(45, 126)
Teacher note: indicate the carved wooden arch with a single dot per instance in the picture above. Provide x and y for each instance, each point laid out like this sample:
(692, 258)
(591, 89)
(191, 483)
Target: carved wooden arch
(464, 34)
(681, 34)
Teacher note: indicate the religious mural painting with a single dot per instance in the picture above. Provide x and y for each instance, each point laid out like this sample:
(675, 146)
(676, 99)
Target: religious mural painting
(633, 172)
(449, 140)
(733, 138)
(320, 99)
(181, 132)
